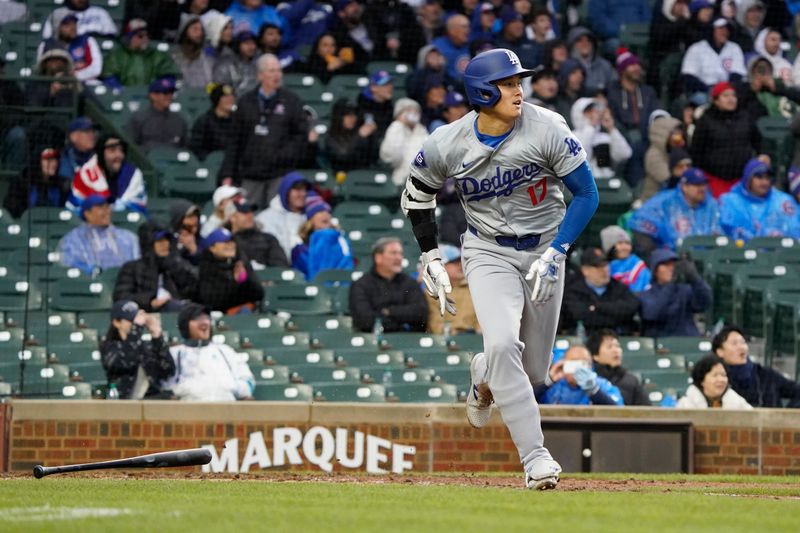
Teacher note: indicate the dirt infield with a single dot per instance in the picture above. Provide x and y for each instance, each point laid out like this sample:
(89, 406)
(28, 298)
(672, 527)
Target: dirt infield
(623, 483)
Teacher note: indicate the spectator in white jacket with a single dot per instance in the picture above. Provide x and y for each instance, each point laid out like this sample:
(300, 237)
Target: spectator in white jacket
(206, 371)
(712, 61)
(710, 388)
(286, 211)
(403, 139)
(605, 146)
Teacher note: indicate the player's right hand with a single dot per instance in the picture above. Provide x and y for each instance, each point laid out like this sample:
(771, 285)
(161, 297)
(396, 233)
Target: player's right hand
(436, 280)
(544, 271)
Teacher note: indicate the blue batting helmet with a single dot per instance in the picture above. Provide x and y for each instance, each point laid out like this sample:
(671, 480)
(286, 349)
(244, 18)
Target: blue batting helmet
(488, 67)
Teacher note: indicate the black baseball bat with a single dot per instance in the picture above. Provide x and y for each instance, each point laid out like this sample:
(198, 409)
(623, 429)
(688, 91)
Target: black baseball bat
(192, 457)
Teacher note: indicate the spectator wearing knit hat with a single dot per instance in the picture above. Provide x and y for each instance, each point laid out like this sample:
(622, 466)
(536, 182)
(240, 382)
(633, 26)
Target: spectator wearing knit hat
(190, 55)
(673, 214)
(136, 61)
(226, 282)
(323, 245)
(213, 128)
(630, 99)
(625, 266)
(755, 208)
(724, 139)
(83, 49)
(157, 125)
(712, 60)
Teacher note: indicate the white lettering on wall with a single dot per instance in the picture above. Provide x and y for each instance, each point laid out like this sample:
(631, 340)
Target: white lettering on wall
(227, 460)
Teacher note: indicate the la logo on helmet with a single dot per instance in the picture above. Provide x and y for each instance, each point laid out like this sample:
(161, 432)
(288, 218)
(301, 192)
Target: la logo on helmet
(512, 57)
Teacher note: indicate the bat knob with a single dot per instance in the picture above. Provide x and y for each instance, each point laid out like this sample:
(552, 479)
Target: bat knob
(38, 471)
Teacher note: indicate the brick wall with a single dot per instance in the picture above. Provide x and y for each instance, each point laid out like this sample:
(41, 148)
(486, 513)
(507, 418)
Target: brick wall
(4, 432)
(67, 432)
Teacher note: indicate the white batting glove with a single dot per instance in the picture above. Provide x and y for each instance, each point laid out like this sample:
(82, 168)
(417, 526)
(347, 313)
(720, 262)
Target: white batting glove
(436, 280)
(544, 271)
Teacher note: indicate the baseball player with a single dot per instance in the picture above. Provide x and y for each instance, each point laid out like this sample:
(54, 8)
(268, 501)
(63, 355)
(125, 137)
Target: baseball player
(510, 161)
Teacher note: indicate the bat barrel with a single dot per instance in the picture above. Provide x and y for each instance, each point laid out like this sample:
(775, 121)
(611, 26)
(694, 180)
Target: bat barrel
(191, 457)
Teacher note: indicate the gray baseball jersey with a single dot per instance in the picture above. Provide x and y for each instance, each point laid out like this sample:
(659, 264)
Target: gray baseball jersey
(513, 189)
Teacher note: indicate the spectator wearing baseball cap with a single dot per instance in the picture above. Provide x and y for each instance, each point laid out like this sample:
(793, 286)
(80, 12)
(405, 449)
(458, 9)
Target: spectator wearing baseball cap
(82, 47)
(755, 208)
(674, 214)
(81, 140)
(136, 61)
(262, 249)
(286, 212)
(676, 293)
(134, 365)
(36, 185)
(455, 107)
(211, 131)
(625, 266)
(159, 281)
(92, 20)
(226, 282)
(322, 245)
(239, 69)
(157, 125)
(724, 139)
(97, 244)
(465, 320)
(598, 300)
(713, 60)
(375, 101)
(223, 197)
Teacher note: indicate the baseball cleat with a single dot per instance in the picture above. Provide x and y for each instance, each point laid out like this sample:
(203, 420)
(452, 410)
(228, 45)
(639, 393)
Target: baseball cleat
(543, 475)
(479, 399)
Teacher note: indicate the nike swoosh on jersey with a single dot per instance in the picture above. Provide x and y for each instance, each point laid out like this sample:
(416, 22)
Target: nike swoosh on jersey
(467, 165)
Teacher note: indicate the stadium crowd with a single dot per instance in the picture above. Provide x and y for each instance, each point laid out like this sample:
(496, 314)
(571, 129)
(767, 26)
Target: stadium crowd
(678, 121)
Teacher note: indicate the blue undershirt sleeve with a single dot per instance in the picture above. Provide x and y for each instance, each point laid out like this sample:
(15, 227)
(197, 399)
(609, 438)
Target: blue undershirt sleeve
(581, 184)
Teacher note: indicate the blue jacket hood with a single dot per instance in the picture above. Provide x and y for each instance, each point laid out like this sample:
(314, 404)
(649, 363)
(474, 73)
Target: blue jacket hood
(287, 182)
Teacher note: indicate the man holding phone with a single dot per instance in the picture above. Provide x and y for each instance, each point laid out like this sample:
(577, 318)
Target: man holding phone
(575, 383)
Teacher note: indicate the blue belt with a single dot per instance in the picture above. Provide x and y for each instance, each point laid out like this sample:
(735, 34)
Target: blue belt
(518, 243)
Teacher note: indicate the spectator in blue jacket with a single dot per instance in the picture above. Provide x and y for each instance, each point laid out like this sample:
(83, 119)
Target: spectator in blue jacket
(760, 386)
(608, 16)
(81, 141)
(454, 46)
(673, 214)
(668, 306)
(307, 20)
(250, 15)
(755, 208)
(323, 245)
(624, 265)
(575, 383)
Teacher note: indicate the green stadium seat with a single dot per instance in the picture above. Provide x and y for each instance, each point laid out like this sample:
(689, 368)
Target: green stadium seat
(318, 176)
(347, 85)
(52, 215)
(193, 102)
(58, 391)
(336, 277)
(439, 360)
(159, 208)
(700, 247)
(80, 295)
(271, 324)
(283, 393)
(784, 325)
(422, 393)
(340, 339)
(615, 199)
(638, 346)
(17, 236)
(776, 141)
(320, 374)
(371, 186)
(270, 374)
(749, 283)
(229, 337)
(19, 295)
(55, 373)
(312, 323)
(657, 384)
(21, 258)
(298, 299)
(392, 359)
(720, 269)
(360, 212)
(13, 337)
(295, 80)
(349, 393)
(770, 244)
(471, 342)
(299, 356)
(458, 376)
(93, 373)
(280, 276)
(35, 355)
(403, 375)
(423, 341)
(99, 320)
(655, 363)
(74, 353)
(684, 345)
(129, 220)
(267, 341)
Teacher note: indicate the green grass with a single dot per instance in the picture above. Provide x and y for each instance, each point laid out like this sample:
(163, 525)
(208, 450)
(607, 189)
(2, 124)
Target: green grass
(257, 505)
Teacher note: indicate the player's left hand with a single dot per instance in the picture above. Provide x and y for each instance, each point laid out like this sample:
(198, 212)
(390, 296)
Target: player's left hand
(544, 271)
(436, 280)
